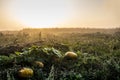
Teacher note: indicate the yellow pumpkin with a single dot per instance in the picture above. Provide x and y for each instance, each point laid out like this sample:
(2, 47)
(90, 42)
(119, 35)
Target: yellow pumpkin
(70, 55)
(25, 72)
(40, 64)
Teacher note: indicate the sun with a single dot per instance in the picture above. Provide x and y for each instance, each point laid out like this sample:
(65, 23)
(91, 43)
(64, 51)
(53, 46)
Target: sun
(41, 14)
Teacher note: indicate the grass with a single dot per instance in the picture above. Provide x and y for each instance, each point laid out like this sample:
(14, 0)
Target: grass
(98, 58)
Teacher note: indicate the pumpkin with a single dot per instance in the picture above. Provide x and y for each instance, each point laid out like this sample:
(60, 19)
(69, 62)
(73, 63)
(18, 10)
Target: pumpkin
(38, 63)
(25, 73)
(70, 55)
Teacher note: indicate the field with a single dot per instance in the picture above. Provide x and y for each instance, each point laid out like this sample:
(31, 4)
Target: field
(40, 54)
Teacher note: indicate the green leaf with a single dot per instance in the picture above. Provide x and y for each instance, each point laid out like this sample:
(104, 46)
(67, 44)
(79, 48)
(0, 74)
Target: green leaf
(17, 53)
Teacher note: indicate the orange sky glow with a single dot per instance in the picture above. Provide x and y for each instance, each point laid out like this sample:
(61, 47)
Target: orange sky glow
(18, 14)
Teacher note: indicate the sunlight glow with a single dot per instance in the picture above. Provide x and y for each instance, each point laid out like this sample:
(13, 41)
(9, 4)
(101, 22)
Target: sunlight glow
(59, 13)
(40, 14)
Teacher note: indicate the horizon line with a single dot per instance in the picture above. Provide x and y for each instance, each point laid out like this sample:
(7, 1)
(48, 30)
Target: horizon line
(61, 28)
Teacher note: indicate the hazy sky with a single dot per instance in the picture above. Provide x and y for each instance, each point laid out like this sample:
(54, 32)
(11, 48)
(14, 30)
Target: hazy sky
(16, 14)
